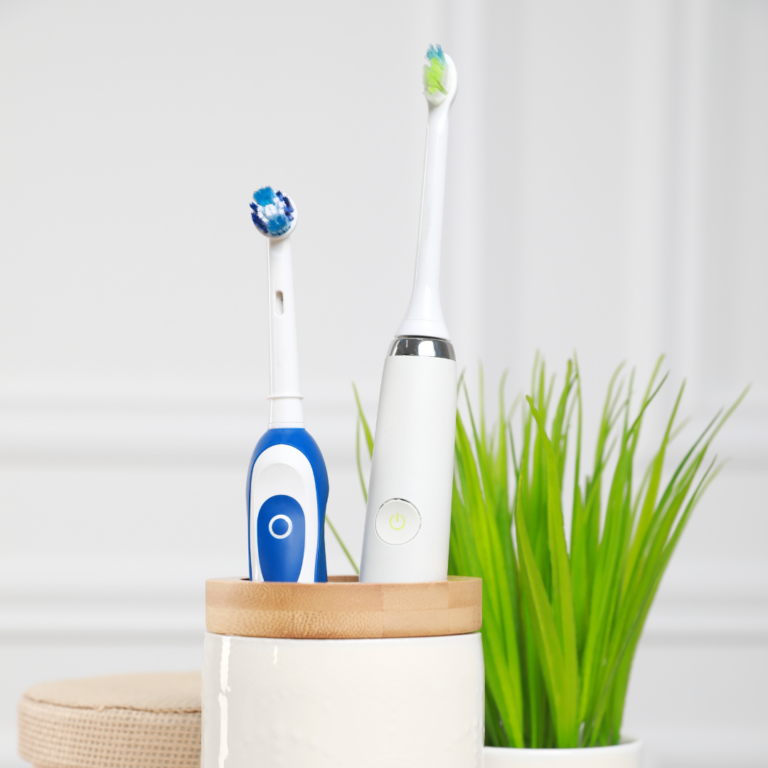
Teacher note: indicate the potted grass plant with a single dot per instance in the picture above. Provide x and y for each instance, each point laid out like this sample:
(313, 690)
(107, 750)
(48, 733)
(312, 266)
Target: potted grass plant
(563, 615)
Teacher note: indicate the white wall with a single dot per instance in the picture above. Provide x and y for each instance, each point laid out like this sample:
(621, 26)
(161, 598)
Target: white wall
(608, 190)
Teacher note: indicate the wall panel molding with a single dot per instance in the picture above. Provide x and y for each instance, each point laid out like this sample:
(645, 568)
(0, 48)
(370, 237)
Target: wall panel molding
(164, 599)
(151, 427)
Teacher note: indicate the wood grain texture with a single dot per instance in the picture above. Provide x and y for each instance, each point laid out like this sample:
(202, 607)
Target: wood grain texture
(343, 608)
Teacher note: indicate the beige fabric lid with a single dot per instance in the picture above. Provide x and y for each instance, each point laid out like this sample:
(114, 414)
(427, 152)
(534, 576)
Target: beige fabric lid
(125, 721)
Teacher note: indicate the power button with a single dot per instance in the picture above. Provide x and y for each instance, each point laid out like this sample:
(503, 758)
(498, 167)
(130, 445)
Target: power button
(397, 521)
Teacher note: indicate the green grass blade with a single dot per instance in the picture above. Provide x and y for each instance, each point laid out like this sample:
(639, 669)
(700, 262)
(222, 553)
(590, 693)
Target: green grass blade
(545, 631)
(342, 544)
(562, 592)
(359, 461)
(366, 428)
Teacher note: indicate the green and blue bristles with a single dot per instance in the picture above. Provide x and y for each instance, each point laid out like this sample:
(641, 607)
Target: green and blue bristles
(272, 212)
(437, 75)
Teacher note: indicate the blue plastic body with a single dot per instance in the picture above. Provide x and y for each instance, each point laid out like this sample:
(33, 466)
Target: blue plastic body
(280, 558)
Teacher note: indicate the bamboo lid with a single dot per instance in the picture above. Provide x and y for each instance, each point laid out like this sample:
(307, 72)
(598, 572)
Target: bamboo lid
(343, 608)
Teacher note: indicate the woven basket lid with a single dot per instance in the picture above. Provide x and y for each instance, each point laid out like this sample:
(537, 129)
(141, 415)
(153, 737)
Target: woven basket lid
(342, 608)
(124, 721)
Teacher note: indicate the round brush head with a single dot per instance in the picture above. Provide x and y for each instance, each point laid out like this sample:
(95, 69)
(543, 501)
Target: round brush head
(272, 212)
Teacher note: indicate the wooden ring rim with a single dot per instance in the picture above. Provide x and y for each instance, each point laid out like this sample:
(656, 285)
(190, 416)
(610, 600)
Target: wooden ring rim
(343, 608)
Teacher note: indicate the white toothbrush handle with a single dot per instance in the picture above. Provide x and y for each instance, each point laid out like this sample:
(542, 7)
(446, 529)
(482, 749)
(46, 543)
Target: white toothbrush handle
(408, 518)
(285, 394)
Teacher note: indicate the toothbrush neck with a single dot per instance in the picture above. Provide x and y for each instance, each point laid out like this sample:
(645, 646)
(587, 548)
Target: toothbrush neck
(285, 394)
(425, 315)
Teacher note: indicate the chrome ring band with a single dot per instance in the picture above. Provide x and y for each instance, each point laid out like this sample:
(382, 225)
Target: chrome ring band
(421, 346)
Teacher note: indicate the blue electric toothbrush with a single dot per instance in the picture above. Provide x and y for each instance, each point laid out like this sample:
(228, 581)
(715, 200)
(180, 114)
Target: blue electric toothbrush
(287, 488)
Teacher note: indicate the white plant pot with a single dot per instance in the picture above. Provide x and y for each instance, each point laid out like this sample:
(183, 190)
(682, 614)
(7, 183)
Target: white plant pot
(359, 703)
(624, 755)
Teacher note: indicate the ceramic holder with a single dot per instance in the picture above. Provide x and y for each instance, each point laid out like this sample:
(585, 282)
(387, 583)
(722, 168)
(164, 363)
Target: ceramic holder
(343, 675)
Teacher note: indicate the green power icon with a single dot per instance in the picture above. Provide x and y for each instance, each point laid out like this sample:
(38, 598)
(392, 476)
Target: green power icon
(397, 522)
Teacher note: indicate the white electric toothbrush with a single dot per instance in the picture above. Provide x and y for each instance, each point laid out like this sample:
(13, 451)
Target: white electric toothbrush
(408, 517)
(287, 489)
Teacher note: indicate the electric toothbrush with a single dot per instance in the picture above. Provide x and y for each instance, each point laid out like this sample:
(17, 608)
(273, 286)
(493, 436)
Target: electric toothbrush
(408, 517)
(287, 488)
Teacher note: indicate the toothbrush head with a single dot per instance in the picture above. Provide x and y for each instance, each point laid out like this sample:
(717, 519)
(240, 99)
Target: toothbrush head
(273, 213)
(439, 76)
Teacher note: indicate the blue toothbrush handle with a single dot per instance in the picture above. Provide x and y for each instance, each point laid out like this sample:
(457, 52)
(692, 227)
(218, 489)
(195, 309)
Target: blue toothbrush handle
(286, 496)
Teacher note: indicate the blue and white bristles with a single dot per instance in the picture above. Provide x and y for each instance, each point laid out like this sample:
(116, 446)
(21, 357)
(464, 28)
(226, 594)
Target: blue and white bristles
(272, 212)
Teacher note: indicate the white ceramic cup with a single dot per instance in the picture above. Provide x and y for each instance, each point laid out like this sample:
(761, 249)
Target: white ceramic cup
(391, 703)
(624, 755)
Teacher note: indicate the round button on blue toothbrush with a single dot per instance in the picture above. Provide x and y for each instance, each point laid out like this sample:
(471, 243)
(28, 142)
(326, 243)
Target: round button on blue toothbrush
(397, 521)
(281, 532)
(283, 528)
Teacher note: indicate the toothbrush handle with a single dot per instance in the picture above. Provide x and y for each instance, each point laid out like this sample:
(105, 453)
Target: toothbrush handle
(286, 497)
(408, 518)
